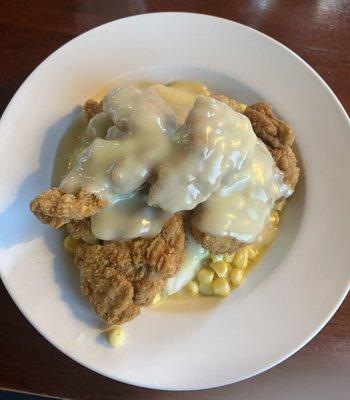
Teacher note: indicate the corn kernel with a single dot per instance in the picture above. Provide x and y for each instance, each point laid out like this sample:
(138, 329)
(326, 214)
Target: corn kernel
(71, 244)
(279, 206)
(242, 107)
(206, 288)
(157, 298)
(216, 257)
(241, 258)
(236, 276)
(205, 275)
(221, 287)
(116, 336)
(229, 257)
(252, 252)
(192, 288)
(274, 218)
(221, 268)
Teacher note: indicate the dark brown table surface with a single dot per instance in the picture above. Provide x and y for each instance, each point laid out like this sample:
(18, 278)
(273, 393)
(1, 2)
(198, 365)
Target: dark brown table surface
(319, 31)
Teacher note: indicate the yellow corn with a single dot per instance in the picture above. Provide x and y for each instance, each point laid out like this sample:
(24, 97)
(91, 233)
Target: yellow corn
(157, 298)
(116, 336)
(242, 107)
(241, 258)
(205, 275)
(71, 244)
(221, 268)
(206, 288)
(229, 257)
(221, 287)
(192, 288)
(236, 276)
(252, 252)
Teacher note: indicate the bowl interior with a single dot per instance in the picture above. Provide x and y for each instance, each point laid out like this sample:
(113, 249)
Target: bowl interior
(286, 299)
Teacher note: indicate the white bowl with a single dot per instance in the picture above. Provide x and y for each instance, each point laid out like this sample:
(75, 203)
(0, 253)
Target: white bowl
(285, 301)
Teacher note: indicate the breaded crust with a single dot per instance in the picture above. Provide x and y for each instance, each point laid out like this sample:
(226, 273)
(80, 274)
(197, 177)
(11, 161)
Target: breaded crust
(81, 229)
(118, 278)
(56, 208)
(278, 137)
(215, 244)
(227, 100)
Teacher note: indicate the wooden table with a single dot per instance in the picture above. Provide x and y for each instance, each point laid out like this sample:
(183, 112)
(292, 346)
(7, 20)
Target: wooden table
(319, 31)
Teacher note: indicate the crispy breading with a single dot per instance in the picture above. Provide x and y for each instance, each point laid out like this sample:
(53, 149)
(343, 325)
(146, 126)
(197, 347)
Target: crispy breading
(141, 267)
(92, 107)
(278, 137)
(81, 229)
(215, 244)
(56, 208)
(235, 105)
(274, 132)
(110, 293)
(287, 162)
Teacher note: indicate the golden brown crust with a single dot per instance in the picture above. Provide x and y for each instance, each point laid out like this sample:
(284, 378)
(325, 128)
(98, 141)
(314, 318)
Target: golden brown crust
(215, 244)
(227, 100)
(56, 208)
(278, 137)
(81, 229)
(143, 264)
(92, 107)
(110, 293)
(287, 162)
(274, 132)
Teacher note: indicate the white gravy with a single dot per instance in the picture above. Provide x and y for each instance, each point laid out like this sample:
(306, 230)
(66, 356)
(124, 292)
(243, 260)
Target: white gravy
(129, 218)
(241, 208)
(216, 140)
(190, 150)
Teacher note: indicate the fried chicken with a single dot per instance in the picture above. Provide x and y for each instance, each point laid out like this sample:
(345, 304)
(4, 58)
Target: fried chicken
(278, 137)
(81, 229)
(119, 278)
(287, 162)
(215, 244)
(56, 208)
(230, 102)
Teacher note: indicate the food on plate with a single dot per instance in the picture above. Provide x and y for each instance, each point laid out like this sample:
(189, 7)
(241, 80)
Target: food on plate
(167, 189)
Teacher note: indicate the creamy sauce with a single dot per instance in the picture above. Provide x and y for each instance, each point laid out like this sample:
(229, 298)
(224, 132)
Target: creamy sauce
(217, 140)
(190, 150)
(241, 208)
(128, 218)
(180, 96)
(72, 142)
(119, 166)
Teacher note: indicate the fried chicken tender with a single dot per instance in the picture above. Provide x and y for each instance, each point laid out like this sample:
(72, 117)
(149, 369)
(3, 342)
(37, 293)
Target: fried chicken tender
(119, 278)
(92, 107)
(274, 132)
(215, 244)
(81, 229)
(287, 162)
(278, 137)
(227, 100)
(56, 208)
